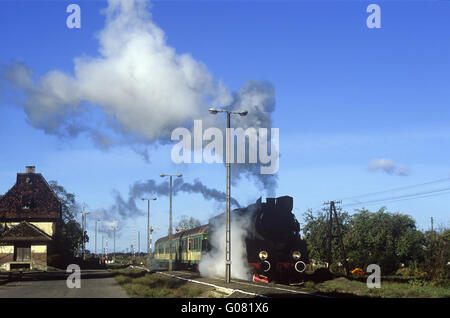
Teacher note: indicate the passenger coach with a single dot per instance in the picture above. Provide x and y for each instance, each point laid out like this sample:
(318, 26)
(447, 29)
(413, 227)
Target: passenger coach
(187, 247)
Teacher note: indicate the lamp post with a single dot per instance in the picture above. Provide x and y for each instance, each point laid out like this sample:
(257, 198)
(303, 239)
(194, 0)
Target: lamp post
(214, 111)
(95, 248)
(115, 227)
(83, 225)
(170, 215)
(149, 243)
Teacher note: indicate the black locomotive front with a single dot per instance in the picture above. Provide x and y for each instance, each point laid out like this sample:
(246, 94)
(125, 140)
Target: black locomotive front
(275, 249)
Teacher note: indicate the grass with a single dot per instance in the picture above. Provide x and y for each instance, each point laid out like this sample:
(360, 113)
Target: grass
(343, 287)
(141, 284)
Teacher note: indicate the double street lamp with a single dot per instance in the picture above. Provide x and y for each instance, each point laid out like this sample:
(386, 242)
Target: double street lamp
(149, 242)
(214, 111)
(170, 215)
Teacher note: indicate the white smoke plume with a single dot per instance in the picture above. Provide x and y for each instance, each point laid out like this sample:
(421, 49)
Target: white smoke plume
(142, 86)
(127, 207)
(212, 264)
(136, 90)
(258, 99)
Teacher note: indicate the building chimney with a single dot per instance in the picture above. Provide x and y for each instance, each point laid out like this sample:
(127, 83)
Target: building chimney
(30, 169)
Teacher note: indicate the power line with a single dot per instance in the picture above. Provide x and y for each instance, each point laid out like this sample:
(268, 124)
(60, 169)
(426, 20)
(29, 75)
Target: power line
(401, 197)
(404, 197)
(412, 196)
(421, 197)
(397, 189)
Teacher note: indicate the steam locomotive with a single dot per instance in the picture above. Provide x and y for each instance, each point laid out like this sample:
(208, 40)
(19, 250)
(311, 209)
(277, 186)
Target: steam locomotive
(275, 250)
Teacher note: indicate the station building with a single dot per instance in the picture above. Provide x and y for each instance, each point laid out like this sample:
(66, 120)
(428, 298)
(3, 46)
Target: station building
(30, 213)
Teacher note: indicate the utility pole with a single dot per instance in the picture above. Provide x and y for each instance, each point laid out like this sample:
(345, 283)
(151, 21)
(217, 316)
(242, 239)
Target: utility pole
(332, 211)
(83, 226)
(114, 244)
(95, 239)
(214, 111)
(139, 242)
(228, 206)
(170, 228)
(170, 216)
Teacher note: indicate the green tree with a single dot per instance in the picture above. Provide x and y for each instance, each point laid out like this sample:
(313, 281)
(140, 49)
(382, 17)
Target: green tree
(316, 233)
(386, 239)
(437, 254)
(69, 205)
(69, 237)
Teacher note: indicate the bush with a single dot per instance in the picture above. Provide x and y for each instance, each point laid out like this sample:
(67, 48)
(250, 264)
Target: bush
(409, 272)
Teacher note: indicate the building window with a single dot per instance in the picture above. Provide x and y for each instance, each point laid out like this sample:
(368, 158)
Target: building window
(22, 253)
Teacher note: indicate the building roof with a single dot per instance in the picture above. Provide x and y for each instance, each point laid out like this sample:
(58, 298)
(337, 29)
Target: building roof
(24, 231)
(31, 198)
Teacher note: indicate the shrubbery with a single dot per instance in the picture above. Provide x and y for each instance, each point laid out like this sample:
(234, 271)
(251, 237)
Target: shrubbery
(390, 240)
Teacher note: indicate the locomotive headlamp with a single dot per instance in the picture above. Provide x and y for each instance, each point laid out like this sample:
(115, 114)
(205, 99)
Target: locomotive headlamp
(296, 255)
(263, 255)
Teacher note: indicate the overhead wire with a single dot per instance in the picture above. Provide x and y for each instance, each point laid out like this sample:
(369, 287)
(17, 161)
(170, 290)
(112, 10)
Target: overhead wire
(403, 197)
(397, 189)
(420, 197)
(411, 196)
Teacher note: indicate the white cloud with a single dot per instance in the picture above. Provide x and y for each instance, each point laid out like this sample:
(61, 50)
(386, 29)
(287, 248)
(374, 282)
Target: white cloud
(142, 85)
(143, 88)
(388, 166)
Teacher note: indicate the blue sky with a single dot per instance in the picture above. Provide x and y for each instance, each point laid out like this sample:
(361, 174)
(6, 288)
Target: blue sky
(345, 95)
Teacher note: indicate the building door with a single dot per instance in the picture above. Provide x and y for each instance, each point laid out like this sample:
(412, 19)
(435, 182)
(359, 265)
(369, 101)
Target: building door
(23, 254)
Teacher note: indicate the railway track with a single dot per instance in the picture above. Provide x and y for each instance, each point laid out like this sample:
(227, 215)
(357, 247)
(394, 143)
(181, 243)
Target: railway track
(238, 288)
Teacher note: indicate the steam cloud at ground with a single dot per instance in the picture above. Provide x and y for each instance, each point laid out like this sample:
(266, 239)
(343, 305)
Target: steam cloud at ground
(212, 264)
